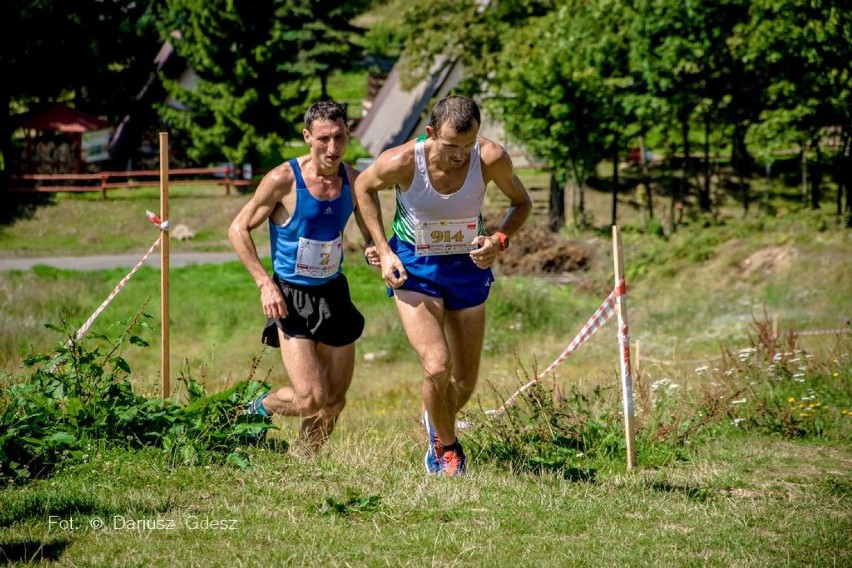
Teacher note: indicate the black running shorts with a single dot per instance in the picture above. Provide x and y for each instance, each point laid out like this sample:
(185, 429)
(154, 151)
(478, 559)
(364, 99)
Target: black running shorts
(323, 313)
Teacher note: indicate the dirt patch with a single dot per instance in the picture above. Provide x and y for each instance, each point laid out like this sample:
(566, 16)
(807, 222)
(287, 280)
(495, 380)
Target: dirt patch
(535, 251)
(769, 260)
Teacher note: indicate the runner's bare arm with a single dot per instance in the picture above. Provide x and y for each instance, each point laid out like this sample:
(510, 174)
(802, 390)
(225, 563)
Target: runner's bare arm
(269, 195)
(370, 252)
(497, 167)
(387, 171)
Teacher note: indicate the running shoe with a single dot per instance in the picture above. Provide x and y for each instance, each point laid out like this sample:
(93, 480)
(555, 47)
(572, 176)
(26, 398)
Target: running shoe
(256, 406)
(453, 461)
(432, 460)
(255, 410)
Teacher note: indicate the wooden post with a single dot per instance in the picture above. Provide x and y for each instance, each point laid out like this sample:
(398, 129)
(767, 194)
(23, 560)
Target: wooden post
(164, 262)
(624, 346)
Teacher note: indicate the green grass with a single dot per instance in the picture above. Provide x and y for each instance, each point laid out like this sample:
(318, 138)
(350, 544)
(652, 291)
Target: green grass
(739, 503)
(730, 496)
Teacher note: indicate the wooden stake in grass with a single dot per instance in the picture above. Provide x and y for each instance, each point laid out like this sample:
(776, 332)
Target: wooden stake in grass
(624, 346)
(164, 261)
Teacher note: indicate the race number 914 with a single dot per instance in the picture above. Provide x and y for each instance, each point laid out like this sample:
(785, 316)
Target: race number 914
(447, 237)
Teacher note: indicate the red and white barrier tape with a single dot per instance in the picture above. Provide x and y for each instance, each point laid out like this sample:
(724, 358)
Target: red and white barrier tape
(164, 226)
(597, 321)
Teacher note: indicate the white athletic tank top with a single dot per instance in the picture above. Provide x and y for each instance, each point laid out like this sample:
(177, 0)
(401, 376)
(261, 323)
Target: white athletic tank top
(422, 203)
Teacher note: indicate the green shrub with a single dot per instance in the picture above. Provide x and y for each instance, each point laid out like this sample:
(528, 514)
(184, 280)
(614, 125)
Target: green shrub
(82, 394)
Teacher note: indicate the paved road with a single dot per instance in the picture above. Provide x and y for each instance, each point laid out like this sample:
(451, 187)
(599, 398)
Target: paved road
(116, 260)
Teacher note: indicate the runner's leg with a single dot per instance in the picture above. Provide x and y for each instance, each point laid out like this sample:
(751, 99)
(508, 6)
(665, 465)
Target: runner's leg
(422, 318)
(465, 333)
(307, 393)
(338, 366)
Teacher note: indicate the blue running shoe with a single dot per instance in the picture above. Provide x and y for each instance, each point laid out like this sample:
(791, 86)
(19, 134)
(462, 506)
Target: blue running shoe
(256, 406)
(255, 411)
(435, 452)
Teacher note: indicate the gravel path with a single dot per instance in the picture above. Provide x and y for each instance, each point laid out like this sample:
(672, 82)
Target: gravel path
(116, 260)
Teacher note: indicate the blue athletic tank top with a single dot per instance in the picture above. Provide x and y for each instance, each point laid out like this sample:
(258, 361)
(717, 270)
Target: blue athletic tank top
(313, 220)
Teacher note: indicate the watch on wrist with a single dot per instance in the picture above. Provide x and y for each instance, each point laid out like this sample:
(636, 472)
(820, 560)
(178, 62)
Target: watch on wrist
(504, 240)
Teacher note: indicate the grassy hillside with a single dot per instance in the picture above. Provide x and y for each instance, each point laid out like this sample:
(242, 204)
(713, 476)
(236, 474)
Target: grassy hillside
(688, 291)
(742, 432)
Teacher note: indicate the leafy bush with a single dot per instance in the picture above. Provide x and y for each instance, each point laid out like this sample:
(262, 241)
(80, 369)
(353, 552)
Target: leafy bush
(82, 394)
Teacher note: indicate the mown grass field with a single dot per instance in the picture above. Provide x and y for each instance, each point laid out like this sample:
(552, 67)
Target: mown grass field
(727, 496)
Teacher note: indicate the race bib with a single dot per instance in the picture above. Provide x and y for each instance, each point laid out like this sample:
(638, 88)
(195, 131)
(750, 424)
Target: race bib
(451, 236)
(319, 259)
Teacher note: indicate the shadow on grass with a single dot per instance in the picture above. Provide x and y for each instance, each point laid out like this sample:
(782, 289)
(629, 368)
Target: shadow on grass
(586, 475)
(32, 551)
(38, 506)
(21, 206)
(692, 493)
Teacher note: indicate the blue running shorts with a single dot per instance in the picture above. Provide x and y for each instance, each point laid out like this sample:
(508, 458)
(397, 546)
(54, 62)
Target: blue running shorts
(453, 277)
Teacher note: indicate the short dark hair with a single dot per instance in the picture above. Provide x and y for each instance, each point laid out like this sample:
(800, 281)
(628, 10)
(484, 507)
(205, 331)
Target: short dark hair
(325, 110)
(457, 112)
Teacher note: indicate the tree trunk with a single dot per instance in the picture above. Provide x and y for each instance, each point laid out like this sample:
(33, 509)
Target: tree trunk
(804, 174)
(6, 146)
(838, 171)
(556, 209)
(686, 168)
(680, 190)
(816, 176)
(323, 87)
(704, 195)
(577, 172)
(740, 157)
(842, 160)
(581, 205)
(646, 177)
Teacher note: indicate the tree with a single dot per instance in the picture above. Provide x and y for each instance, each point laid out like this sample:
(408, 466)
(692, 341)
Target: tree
(327, 41)
(254, 67)
(92, 54)
(680, 50)
(804, 49)
(562, 91)
(471, 32)
(549, 101)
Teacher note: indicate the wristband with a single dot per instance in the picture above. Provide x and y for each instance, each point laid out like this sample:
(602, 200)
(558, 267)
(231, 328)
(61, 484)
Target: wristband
(504, 240)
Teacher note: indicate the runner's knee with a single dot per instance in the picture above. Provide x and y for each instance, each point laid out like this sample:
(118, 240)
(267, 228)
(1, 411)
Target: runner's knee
(436, 368)
(312, 402)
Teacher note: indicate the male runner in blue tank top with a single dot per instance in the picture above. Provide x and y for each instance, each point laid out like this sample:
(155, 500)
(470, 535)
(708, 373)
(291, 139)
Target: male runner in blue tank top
(307, 202)
(438, 262)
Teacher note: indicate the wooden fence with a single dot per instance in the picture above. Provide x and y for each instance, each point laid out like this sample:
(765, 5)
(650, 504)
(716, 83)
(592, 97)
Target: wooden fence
(227, 176)
(106, 181)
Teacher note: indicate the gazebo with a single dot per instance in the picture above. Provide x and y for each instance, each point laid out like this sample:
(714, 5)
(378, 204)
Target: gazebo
(60, 139)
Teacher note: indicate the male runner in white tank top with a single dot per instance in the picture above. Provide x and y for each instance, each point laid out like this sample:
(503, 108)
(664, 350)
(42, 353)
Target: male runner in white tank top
(438, 262)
